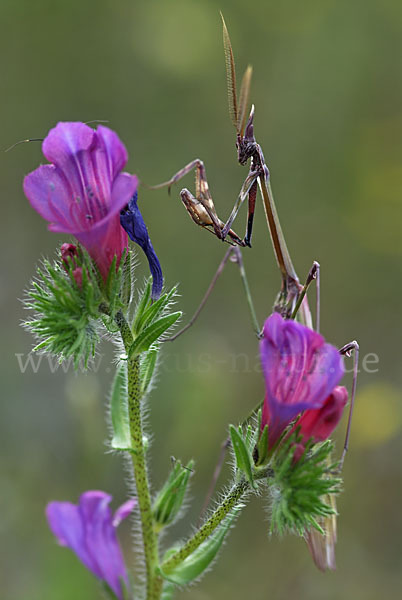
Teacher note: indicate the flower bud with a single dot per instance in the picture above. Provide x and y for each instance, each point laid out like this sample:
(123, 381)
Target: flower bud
(170, 499)
(69, 252)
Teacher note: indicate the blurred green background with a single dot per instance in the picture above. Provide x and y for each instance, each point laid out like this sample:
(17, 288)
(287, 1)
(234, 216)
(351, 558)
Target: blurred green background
(328, 94)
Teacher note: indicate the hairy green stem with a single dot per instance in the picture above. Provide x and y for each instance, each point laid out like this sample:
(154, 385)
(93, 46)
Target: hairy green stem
(208, 528)
(149, 536)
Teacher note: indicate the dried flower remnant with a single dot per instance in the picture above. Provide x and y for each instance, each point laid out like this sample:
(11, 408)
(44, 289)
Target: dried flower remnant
(132, 221)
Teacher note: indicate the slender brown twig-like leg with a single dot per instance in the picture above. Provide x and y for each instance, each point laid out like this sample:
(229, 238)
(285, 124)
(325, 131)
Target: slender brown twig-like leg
(196, 163)
(224, 447)
(346, 351)
(206, 296)
(234, 254)
(217, 471)
(313, 274)
(238, 259)
(318, 299)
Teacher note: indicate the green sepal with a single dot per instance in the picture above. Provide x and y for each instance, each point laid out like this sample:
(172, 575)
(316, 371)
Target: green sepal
(148, 364)
(169, 500)
(244, 461)
(126, 292)
(197, 562)
(66, 313)
(302, 486)
(262, 447)
(119, 410)
(149, 335)
(154, 310)
(112, 287)
(118, 287)
(142, 306)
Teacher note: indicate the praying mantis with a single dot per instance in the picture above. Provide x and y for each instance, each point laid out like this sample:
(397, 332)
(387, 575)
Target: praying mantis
(201, 207)
(291, 301)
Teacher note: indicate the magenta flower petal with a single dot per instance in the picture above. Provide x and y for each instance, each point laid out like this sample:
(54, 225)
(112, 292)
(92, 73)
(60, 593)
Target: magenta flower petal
(115, 152)
(319, 423)
(83, 191)
(300, 371)
(89, 529)
(49, 194)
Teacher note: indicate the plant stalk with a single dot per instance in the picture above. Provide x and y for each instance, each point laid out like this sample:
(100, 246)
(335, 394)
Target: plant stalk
(149, 536)
(208, 528)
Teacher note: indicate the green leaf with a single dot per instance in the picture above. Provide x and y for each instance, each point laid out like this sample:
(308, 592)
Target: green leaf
(155, 309)
(262, 447)
(117, 289)
(142, 306)
(126, 284)
(149, 335)
(148, 365)
(194, 565)
(111, 279)
(244, 461)
(119, 410)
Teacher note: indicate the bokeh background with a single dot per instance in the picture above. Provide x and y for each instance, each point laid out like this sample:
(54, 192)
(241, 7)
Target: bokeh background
(328, 94)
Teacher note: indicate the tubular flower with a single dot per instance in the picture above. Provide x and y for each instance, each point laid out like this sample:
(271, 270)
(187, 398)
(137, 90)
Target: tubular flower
(300, 370)
(89, 529)
(84, 189)
(132, 221)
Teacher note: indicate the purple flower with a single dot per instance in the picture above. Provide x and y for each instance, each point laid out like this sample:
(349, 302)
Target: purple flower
(89, 529)
(132, 221)
(83, 191)
(300, 370)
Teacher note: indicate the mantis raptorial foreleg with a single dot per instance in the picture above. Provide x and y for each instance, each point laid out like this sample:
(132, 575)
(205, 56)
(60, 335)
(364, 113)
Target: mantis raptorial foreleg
(201, 207)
